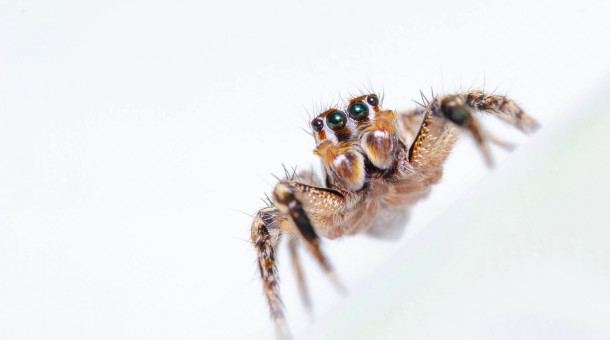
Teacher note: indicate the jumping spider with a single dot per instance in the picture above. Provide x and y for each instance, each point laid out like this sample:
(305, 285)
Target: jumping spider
(377, 164)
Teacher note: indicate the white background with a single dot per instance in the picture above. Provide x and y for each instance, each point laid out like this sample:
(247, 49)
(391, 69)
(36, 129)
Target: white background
(134, 135)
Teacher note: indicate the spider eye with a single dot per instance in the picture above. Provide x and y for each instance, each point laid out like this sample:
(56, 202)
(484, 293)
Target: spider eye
(372, 100)
(317, 125)
(358, 110)
(336, 120)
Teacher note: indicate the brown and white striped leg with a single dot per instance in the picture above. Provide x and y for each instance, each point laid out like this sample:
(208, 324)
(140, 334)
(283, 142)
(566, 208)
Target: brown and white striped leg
(502, 108)
(265, 235)
(289, 215)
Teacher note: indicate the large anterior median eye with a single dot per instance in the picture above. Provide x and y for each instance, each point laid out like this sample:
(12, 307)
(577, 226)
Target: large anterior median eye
(336, 120)
(358, 110)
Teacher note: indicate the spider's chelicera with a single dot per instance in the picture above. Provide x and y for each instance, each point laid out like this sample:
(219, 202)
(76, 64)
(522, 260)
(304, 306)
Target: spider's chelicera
(377, 164)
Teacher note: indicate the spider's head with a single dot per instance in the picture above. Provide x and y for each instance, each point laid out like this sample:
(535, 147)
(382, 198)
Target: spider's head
(337, 133)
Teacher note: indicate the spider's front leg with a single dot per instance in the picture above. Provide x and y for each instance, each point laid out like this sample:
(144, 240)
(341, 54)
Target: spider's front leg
(299, 202)
(294, 203)
(459, 110)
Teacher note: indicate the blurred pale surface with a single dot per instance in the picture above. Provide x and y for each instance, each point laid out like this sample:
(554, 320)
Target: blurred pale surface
(525, 255)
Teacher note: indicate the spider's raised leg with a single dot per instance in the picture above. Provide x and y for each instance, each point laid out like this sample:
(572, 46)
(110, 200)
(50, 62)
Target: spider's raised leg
(265, 235)
(502, 108)
(460, 110)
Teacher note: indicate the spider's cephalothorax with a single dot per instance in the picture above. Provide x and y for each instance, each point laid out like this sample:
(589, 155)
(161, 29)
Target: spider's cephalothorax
(377, 164)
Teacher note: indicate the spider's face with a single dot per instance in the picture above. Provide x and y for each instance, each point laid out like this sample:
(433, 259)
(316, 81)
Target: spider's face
(337, 133)
(342, 125)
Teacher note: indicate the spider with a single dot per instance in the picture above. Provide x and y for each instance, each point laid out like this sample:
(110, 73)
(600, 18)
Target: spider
(377, 164)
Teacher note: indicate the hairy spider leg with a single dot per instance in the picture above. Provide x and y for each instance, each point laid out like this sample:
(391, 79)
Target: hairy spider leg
(265, 235)
(460, 110)
(288, 197)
